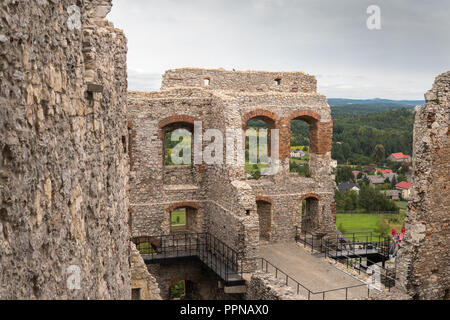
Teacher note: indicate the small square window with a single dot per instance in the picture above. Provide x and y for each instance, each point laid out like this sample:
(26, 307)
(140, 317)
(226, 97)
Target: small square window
(277, 82)
(136, 294)
(206, 82)
(178, 217)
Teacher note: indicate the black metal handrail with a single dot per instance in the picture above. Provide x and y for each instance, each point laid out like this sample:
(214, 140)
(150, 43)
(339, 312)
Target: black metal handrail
(308, 292)
(341, 246)
(209, 249)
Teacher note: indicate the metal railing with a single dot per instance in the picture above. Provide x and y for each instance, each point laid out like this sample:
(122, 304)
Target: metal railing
(345, 252)
(224, 260)
(268, 267)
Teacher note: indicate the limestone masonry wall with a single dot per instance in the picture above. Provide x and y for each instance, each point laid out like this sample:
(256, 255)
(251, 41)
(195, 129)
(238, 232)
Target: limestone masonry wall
(141, 279)
(264, 286)
(222, 198)
(219, 79)
(63, 152)
(423, 262)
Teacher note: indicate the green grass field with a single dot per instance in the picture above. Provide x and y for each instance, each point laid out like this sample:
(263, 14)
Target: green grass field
(178, 217)
(363, 222)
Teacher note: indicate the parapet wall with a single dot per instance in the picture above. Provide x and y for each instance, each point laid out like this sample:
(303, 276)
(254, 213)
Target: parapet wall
(249, 81)
(423, 262)
(63, 164)
(264, 286)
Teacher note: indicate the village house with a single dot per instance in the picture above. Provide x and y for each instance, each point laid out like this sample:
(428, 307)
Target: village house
(392, 194)
(376, 180)
(399, 157)
(405, 188)
(346, 186)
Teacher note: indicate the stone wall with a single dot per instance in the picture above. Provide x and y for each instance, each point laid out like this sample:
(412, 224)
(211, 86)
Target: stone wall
(203, 283)
(63, 152)
(141, 279)
(423, 262)
(220, 79)
(264, 286)
(225, 196)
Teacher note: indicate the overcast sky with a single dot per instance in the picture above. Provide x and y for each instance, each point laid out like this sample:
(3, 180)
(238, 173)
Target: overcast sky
(326, 38)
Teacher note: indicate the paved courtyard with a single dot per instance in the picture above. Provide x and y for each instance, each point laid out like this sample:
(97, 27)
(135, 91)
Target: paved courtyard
(311, 271)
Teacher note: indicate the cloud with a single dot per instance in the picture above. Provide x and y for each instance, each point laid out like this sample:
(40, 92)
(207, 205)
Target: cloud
(325, 37)
(139, 80)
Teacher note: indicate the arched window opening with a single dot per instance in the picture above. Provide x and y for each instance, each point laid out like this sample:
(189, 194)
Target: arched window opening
(310, 214)
(300, 148)
(277, 82)
(206, 82)
(178, 144)
(257, 146)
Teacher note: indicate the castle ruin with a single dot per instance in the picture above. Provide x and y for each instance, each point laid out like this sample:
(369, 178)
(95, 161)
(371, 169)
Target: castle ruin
(219, 198)
(423, 262)
(82, 166)
(63, 159)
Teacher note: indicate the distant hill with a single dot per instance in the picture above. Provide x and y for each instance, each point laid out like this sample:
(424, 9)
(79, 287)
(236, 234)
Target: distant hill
(342, 102)
(343, 108)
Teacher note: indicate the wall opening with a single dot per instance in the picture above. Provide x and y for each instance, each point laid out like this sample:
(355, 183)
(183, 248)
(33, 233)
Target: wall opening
(277, 82)
(136, 294)
(178, 144)
(177, 291)
(183, 219)
(178, 219)
(206, 82)
(303, 142)
(310, 214)
(183, 290)
(264, 210)
(257, 146)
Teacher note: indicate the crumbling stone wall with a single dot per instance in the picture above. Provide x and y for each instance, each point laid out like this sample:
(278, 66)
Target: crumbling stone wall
(225, 197)
(141, 279)
(240, 80)
(63, 152)
(423, 262)
(204, 283)
(264, 286)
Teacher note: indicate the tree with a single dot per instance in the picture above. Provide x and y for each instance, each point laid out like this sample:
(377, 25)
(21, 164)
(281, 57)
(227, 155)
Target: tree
(394, 182)
(341, 228)
(379, 154)
(382, 227)
(344, 174)
(404, 168)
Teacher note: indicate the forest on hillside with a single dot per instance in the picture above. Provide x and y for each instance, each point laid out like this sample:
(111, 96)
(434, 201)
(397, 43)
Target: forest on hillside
(362, 136)
(365, 133)
(372, 137)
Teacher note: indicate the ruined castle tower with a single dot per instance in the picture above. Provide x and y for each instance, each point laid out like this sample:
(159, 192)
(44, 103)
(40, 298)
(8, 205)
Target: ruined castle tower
(64, 230)
(219, 198)
(424, 261)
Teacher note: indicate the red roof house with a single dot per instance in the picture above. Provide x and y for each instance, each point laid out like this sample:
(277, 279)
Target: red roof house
(399, 157)
(384, 171)
(405, 188)
(403, 185)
